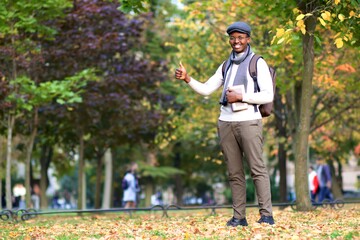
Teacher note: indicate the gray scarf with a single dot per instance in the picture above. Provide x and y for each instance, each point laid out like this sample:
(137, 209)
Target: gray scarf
(240, 77)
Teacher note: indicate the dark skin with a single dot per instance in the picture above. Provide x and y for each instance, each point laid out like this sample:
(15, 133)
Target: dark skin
(239, 42)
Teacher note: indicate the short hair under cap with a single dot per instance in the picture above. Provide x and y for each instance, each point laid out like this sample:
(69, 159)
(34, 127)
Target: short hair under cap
(241, 27)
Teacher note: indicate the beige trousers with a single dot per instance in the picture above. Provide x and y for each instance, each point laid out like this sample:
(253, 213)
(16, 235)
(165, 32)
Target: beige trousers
(240, 141)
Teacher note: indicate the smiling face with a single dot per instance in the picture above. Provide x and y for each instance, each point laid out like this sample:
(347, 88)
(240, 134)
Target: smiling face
(239, 41)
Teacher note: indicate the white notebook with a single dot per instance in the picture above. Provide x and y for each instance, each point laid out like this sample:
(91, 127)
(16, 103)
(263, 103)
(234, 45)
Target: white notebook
(238, 106)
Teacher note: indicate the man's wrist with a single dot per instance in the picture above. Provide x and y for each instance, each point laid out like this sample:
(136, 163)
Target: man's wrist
(239, 97)
(187, 78)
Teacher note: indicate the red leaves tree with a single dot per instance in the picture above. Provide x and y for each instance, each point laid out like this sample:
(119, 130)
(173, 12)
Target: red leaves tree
(125, 103)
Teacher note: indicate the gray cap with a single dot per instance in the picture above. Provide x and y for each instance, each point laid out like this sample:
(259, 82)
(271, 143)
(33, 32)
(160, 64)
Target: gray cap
(241, 27)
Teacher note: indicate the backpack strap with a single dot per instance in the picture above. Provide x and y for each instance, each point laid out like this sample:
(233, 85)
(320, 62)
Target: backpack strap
(253, 74)
(253, 71)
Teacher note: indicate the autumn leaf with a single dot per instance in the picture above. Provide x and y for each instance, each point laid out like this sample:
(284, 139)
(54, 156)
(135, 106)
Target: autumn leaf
(352, 14)
(326, 15)
(296, 11)
(280, 40)
(301, 25)
(345, 68)
(341, 17)
(300, 17)
(357, 150)
(322, 21)
(339, 42)
(280, 32)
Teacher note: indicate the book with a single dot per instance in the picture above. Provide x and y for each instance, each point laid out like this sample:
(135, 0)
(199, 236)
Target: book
(238, 106)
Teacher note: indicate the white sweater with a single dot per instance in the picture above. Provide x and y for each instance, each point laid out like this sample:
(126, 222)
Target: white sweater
(265, 95)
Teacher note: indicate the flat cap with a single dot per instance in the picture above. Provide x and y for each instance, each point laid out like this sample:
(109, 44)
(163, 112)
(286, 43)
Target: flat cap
(241, 27)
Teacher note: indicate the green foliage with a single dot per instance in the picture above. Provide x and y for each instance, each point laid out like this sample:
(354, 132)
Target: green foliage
(340, 16)
(162, 172)
(136, 6)
(30, 95)
(28, 16)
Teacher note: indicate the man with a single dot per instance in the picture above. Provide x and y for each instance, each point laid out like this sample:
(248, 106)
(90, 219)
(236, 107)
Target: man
(324, 177)
(240, 131)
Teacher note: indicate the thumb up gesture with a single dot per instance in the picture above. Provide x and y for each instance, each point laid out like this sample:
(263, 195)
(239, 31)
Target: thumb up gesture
(180, 73)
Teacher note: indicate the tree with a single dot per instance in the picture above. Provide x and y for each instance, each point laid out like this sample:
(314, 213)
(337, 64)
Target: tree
(307, 15)
(30, 97)
(126, 104)
(17, 21)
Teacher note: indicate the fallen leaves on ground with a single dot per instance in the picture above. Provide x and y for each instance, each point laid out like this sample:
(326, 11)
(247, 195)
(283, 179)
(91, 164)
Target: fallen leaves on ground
(319, 224)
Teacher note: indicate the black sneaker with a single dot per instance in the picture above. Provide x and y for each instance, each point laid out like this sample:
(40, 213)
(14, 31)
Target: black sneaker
(267, 219)
(234, 222)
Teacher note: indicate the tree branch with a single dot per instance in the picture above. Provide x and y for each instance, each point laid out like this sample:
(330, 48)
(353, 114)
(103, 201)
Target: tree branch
(334, 116)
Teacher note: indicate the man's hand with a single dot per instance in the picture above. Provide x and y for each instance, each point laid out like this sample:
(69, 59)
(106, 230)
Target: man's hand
(234, 95)
(180, 73)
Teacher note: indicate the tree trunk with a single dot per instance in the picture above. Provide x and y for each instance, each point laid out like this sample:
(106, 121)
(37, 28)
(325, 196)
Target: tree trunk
(45, 159)
(98, 180)
(2, 156)
(335, 185)
(280, 121)
(83, 199)
(11, 122)
(10, 126)
(303, 126)
(1, 190)
(81, 175)
(113, 183)
(282, 170)
(108, 179)
(29, 150)
(178, 179)
(149, 191)
(149, 185)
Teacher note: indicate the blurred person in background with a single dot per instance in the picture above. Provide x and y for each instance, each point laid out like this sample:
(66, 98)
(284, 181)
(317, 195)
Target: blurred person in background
(325, 182)
(313, 184)
(131, 191)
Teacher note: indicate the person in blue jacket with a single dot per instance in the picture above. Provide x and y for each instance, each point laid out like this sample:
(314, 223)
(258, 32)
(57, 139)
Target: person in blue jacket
(325, 182)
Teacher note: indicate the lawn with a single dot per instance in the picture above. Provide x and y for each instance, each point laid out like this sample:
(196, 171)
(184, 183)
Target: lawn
(196, 224)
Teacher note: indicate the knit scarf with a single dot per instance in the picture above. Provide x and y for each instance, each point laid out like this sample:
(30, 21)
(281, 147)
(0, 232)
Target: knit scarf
(240, 78)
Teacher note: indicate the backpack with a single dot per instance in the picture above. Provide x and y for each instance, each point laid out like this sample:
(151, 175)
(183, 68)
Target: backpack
(124, 184)
(265, 109)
